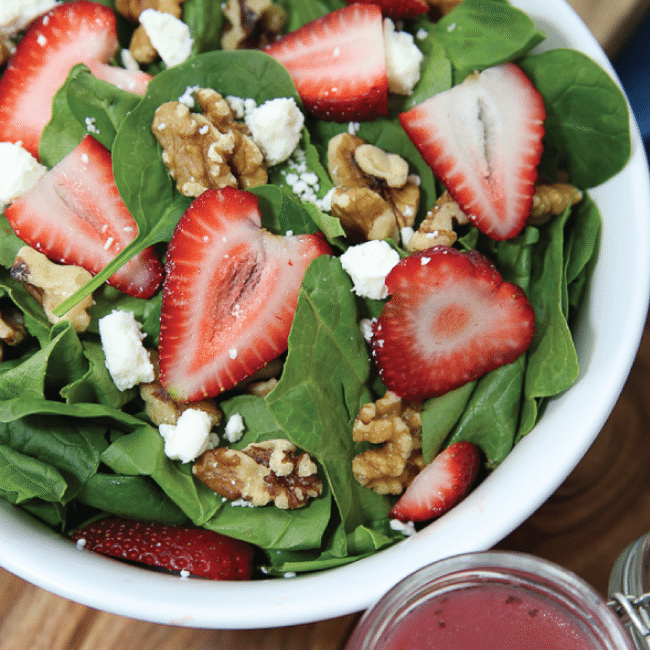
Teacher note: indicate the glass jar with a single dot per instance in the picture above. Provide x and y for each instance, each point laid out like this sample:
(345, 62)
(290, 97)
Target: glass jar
(490, 600)
(629, 587)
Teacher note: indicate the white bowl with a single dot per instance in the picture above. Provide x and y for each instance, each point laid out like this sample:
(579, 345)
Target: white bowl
(607, 337)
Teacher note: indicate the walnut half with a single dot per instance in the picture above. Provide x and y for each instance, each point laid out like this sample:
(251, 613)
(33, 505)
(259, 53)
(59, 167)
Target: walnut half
(396, 426)
(374, 195)
(260, 473)
(51, 284)
(209, 150)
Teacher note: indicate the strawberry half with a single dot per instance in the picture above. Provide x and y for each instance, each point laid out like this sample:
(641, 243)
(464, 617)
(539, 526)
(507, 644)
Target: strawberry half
(71, 33)
(74, 214)
(229, 295)
(201, 552)
(338, 64)
(450, 319)
(440, 485)
(398, 9)
(483, 140)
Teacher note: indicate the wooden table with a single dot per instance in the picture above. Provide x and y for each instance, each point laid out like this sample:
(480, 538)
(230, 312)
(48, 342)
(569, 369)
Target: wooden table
(602, 506)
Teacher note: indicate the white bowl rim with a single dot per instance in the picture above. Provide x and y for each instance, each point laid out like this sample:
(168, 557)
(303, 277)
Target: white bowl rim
(40, 556)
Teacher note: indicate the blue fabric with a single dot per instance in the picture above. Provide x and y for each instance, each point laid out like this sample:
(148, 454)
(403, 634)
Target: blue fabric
(632, 65)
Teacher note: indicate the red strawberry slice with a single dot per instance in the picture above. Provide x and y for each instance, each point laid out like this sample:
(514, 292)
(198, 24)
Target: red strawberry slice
(71, 33)
(229, 295)
(450, 319)
(483, 139)
(398, 9)
(75, 215)
(338, 64)
(440, 485)
(198, 551)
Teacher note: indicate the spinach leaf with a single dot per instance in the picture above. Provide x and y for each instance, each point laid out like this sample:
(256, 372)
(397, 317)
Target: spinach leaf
(479, 34)
(142, 178)
(205, 20)
(323, 385)
(435, 72)
(300, 12)
(587, 120)
(133, 497)
(97, 105)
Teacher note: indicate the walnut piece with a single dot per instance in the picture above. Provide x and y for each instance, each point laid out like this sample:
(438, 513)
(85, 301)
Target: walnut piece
(260, 473)
(437, 228)
(162, 409)
(395, 425)
(359, 169)
(551, 199)
(251, 24)
(140, 46)
(209, 150)
(12, 327)
(51, 284)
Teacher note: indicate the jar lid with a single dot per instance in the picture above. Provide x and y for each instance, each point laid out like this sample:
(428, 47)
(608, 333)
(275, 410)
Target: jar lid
(629, 590)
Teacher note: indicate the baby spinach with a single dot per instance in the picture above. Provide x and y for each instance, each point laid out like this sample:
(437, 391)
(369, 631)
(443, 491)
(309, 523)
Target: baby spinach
(587, 119)
(478, 34)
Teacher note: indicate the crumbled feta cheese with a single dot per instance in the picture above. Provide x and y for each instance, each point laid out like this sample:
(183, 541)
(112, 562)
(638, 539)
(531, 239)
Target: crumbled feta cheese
(127, 359)
(90, 125)
(189, 437)
(19, 170)
(407, 528)
(169, 36)
(366, 325)
(368, 264)
(403, 58)
(16, 15)
(406, 233)
(128, 61)
(187, 97)
(276, 127)
(234, 428)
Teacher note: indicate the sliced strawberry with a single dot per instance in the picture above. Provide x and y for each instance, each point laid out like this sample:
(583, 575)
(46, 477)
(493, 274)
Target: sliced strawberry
(75, 215)
(229, 295)
(71, 33)
(398, 9)
(450, 319)
(338, 64)
(198, 551)
(483, 139)
(440, 485)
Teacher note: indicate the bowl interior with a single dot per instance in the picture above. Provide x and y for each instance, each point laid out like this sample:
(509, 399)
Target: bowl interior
(607, 338)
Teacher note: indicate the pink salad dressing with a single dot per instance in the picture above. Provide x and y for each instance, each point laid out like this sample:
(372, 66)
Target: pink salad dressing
(488, 617)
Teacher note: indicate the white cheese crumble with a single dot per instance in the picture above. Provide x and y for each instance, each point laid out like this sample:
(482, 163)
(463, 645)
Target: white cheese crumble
(127, 359)
(169, 36)
(128, 61)
(276, 127)
(368, 264)
(90, 125)
(16, 15)
(189, 437)
(403, 58)
(19, 170)
(234, 428)
(366, 325)
(406, 233)
(407, 528)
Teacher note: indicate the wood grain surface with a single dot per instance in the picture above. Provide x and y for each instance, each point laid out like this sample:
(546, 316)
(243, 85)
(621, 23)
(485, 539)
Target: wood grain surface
(601, 507)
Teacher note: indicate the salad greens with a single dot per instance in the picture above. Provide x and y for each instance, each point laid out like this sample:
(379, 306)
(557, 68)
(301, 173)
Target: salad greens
(72, 446)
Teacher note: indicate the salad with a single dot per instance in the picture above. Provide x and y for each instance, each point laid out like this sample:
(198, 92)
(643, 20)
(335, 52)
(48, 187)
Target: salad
(75, 447)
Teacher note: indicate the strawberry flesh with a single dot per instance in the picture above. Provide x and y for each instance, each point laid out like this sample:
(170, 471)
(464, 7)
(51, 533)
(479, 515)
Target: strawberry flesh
(450, 319)
(483, 140)
(71, 33)
(440, 485)
(338, 64)
(229, 295)
(75, 215)
(398, 9)
(201, 552)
